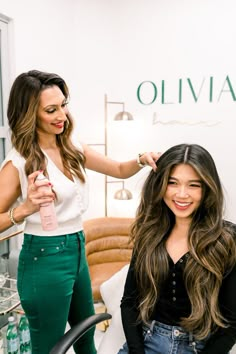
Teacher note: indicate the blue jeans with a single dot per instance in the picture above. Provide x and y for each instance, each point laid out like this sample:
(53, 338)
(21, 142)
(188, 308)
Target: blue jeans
(160, 338)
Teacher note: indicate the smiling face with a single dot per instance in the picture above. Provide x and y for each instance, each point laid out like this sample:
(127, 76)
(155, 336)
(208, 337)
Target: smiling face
(184, 191)
(51, 115)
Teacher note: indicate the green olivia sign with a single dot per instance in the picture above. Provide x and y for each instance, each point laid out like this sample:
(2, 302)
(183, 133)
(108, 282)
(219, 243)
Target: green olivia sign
(185, 89)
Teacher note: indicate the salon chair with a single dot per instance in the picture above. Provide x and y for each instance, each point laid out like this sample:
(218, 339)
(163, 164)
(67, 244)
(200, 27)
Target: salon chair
(76, 332)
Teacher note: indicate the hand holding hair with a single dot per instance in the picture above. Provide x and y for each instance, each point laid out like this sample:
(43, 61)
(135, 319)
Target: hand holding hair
(148, 159)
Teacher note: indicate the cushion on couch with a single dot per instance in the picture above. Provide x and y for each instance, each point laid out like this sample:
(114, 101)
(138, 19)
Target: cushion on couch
(112, 292)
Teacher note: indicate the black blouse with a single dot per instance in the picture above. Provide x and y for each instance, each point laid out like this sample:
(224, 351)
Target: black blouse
(174, 304)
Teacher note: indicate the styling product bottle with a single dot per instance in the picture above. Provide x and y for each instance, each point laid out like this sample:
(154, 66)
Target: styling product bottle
(47, 210)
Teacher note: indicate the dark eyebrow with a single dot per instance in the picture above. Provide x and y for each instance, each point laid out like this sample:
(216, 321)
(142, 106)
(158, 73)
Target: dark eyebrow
(190, 181)
(55, 105)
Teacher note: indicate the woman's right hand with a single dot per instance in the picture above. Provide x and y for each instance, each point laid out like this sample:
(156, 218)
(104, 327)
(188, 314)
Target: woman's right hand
(10, 191)
(37, 195)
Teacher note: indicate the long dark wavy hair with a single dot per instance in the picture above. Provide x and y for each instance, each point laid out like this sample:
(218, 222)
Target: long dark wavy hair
(211, 241)
(22, 110)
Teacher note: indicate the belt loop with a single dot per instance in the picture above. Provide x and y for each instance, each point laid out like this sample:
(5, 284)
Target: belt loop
(29, 239)
(192, 342)
(67, 239)
(152, 326)
(79, 235)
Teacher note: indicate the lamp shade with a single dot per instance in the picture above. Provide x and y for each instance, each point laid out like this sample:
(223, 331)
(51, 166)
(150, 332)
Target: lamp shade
(124, 115)
(123, 194)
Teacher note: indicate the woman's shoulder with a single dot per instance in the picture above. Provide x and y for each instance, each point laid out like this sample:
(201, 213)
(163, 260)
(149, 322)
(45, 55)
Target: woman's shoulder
(14, 156)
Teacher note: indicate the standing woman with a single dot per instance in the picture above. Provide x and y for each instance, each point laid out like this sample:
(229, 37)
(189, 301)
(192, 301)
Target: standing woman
(53, 278)
(180, 291)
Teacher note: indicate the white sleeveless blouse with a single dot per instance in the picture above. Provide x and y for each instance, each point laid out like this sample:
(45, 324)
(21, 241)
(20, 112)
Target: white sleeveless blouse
(71, 202)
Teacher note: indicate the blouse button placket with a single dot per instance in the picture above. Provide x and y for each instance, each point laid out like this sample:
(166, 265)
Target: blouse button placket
(173, 286)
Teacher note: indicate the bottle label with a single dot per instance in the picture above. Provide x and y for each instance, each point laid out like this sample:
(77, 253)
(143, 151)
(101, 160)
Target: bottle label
(25, 336)
(12, 345)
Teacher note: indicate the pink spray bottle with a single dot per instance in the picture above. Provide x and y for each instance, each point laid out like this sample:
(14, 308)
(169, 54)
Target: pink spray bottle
(47, 210)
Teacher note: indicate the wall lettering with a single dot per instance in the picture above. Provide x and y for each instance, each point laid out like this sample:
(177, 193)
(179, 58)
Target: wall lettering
(185, 87)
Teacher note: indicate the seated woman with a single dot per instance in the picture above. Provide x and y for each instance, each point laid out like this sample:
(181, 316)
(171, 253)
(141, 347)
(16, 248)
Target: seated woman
(180, 290)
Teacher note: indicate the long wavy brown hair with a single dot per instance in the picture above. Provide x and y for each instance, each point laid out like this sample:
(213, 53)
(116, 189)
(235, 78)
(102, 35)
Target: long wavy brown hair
(22, 117)
(212, 250)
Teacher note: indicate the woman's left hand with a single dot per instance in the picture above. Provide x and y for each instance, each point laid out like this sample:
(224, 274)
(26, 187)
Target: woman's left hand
(150, 159)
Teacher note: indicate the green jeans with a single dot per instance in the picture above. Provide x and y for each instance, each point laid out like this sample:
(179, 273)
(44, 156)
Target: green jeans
(54, 287)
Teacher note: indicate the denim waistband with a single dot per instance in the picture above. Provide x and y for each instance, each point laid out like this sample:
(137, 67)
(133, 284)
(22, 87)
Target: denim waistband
(34, 240)
(174, 332)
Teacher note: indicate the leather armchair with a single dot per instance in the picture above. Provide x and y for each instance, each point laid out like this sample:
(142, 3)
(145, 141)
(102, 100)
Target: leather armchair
(108, 248)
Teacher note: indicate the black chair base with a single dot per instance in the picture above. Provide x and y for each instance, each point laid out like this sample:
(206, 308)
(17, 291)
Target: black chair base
(71, 336)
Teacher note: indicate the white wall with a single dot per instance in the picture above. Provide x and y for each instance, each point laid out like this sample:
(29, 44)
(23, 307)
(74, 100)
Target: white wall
(109, 46)
(127, 42)
(42, 35)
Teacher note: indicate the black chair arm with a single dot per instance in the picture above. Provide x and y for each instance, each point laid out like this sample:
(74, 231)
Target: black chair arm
(77, 331)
